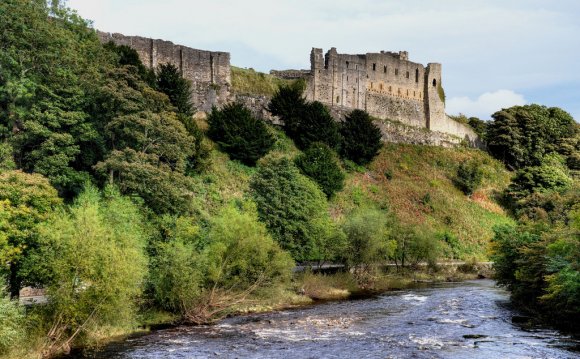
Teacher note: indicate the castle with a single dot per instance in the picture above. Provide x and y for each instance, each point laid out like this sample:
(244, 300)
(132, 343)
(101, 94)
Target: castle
(386, 85)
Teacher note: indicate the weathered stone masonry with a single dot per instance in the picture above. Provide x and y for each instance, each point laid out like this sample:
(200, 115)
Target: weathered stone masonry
(209, 71)
(385, 84)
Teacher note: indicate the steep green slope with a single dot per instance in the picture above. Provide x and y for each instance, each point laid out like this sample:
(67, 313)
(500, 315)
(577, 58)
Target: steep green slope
(416, 184)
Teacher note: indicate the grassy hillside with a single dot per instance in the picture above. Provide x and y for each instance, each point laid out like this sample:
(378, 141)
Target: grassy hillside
(412, 182)
(251, 82)
(416, 184)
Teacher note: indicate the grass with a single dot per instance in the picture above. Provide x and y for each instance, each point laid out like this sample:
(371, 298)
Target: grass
(416, 184)
(251, 82)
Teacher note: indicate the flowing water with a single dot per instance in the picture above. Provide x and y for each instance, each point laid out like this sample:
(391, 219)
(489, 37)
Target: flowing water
(461, 320)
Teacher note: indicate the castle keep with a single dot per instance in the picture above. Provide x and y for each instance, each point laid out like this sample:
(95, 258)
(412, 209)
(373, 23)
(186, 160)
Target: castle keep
(386, 85)
(208, 71)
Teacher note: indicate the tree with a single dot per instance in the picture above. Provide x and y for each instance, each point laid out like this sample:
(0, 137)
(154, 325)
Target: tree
(92, 261)
(551, 176)
(290, 205)
(178, 89)
(313, 123)
(202, 278)
(478, 126)
(521, 136)
(150, 148)
(287, 101)
(128, 56)
(369, 243)
(26, 200)
(48, 71)
(319, 163)
(361, 137)
(239, 133)
(469, 177)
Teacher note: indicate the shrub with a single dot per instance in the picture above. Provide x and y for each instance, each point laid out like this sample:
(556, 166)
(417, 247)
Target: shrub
(291, 205)
(367, 232)
(319, 163)
(361, 137)
(204, 278)
(239, 133)
(92, 261)
(12, 319)
(469, 177)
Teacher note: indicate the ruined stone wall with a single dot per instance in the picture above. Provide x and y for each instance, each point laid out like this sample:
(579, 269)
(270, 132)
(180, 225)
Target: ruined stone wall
(208, 71)
(386, 85)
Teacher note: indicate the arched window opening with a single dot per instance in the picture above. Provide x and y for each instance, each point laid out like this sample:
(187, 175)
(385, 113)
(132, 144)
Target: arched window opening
(347, 64)
(407, 75)
(434, 82)
(385, 69)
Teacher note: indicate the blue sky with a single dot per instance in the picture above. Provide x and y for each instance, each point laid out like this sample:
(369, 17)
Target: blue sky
(495, 53)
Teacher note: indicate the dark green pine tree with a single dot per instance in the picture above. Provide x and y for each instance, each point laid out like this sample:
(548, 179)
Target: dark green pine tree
(178, 89)
(241, 135)
(361, 137)
(313, 123)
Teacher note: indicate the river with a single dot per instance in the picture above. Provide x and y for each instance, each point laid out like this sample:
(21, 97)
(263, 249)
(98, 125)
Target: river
(452, 320)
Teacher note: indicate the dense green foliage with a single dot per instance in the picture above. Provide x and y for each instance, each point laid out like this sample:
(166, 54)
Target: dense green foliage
(178, 89)
(368, 237)
(291, 205)
(26, 200)
(305, 122)
(92, 261)
(469, 177)
(361, 137)
(239, 133)
(521, 136)
(49, 71)
(12, 317)
(538, 260)
(320, 163)
(202, 276)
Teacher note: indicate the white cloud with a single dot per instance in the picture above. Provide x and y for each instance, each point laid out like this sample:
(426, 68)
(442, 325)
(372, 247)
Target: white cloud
(485, 105)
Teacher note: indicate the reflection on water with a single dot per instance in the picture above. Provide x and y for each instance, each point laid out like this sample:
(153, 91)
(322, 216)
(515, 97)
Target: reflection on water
(464, 320)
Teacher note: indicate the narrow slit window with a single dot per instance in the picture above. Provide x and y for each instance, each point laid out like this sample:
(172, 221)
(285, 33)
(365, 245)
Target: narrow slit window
(407, 74)
(347, 64)
(385, 69)
(374, 67)
(396, 72)
(417, 75)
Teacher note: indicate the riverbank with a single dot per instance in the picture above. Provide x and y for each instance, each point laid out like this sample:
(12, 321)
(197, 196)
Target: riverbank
(307, 289)
(470, 319)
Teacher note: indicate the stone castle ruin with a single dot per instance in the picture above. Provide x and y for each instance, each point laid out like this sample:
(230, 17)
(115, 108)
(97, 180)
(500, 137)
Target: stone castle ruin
(208, 71)
(386, 85)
